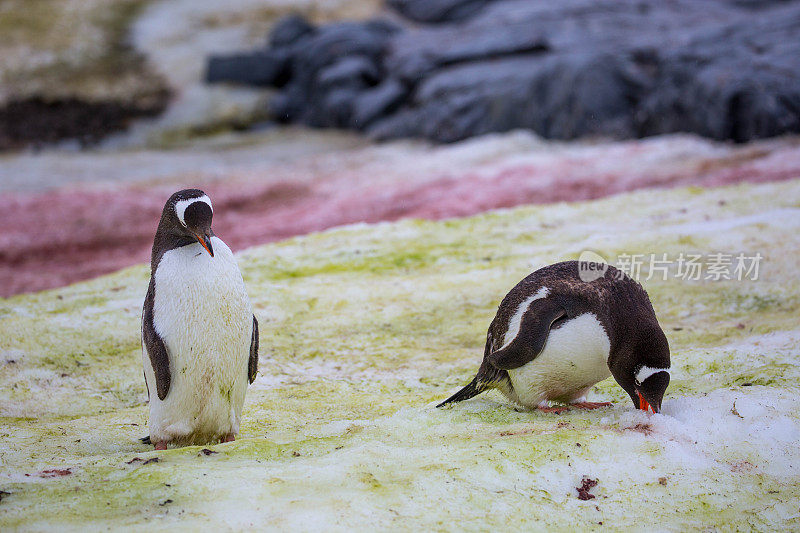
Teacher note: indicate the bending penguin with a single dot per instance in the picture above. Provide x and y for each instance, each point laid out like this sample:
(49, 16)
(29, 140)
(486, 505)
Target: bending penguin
(199, 334)
(556, 335)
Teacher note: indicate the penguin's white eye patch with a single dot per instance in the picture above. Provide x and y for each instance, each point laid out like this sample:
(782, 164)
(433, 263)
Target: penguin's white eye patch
(181, 205)
(645, 372)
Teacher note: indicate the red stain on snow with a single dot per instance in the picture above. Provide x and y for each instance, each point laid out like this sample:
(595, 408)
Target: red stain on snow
(55, 472)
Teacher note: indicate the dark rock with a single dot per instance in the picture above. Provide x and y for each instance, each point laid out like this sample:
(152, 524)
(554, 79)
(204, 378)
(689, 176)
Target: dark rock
(749, 94)
(335, 111)
(726, 69)
(376, 102)
(416, 54)
(288, 106)
(289, 30)
(385, 27)
(588, 96)
(352, 71)
(333, 43)
(322, 66)
(261, 68)
(437, 10)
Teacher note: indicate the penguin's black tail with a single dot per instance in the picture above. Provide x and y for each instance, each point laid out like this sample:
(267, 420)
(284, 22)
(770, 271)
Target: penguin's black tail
(146, 440)
(475, 387)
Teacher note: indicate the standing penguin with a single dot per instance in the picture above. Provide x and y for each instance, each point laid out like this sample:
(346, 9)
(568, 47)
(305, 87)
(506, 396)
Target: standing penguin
(556, 335)
(199, 334)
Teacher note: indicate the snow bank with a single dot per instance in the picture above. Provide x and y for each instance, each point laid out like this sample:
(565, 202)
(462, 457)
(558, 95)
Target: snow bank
(364, 327)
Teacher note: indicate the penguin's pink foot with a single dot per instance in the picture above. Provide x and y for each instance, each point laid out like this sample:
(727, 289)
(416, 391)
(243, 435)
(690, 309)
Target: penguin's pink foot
(161, 445)
(556, 410)
(230, 437)
(591, 405)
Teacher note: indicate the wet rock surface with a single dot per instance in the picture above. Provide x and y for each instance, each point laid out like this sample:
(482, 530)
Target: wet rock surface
(451, 69)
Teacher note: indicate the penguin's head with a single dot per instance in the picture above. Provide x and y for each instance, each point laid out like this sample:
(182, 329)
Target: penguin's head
(190, 213)
(650, 385)
(645, 370)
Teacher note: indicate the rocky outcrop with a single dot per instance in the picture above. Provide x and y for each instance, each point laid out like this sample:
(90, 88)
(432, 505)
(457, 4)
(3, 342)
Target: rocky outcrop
(725, 69)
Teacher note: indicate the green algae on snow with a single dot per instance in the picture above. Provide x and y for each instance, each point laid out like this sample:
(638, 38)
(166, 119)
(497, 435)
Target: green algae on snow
(363, 328)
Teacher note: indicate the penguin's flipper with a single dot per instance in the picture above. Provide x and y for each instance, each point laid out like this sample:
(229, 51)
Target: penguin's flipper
(252, 364)
(156, 350)
(533, 332)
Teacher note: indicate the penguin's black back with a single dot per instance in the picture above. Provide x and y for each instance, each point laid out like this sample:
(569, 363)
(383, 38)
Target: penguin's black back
(620, 304)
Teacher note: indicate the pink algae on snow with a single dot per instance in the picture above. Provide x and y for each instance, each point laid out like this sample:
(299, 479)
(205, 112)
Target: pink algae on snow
(57, 237)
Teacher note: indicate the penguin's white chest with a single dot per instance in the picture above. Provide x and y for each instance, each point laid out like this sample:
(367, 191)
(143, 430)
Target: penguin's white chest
(574, 358)
(203, 314)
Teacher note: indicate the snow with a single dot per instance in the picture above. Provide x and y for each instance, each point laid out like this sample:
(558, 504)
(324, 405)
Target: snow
(365, 328)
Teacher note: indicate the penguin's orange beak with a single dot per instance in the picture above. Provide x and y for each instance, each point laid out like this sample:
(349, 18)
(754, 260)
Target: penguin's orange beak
(643, 405)
(205, 241)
